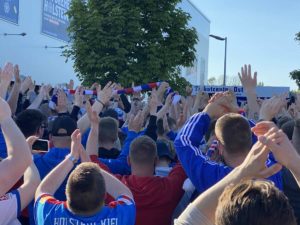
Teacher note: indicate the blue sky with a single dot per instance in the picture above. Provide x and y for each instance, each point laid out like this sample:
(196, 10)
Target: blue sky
(260, 33)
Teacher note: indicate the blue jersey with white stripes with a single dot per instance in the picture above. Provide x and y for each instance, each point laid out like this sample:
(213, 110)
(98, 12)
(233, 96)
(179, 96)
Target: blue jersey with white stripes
(203, 172)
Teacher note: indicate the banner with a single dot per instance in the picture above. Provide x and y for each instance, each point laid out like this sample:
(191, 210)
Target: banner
(261, 91)
(9, 10)
(54, 19)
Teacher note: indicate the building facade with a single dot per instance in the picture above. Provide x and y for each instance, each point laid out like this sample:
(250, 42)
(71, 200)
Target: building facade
(38, 53)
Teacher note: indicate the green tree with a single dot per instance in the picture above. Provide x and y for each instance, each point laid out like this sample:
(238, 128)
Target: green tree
(260, 83)
(297, 36)
(295, 75)
(211, 81)
(130, 41)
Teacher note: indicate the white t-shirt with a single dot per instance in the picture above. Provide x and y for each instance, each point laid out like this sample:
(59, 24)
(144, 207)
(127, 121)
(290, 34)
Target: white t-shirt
(10, 207)
(192, 216)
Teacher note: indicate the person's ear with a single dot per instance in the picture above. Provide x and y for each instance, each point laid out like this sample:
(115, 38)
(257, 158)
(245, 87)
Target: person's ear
(156, 161)
(220, 148)
(128, 161)
(40, 132)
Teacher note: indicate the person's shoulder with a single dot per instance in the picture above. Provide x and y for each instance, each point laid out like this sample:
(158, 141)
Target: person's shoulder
(120, 211)
(49, 199)
(9, 196)
(121, 201)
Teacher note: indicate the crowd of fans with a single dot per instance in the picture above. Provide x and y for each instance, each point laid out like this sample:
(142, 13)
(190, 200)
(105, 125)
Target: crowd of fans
(145, 159)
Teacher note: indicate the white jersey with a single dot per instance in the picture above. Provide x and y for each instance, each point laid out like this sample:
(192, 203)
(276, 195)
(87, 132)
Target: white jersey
(10, 207)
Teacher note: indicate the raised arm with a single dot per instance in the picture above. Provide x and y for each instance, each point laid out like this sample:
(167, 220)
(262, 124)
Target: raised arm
(151, 128)
(31, 180)
(103, 97)
(270, 108)
(14, 94)
(284, 151)
(19, 155)
(249, 83)
(202, 172)
(5, 76)
(55, 178)
(44, 92)
(114, 187)
(93, 139)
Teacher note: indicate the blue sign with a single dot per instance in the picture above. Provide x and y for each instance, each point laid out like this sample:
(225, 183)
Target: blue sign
(54, 19)
(9, 10)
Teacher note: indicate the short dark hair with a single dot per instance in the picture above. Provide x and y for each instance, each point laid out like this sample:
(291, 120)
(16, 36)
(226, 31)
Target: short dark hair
(29, 121)
(254, 202)
(110, 113)
(85, 189)
(143, 151)
(160, 125)
(108, 130)
(234, 133)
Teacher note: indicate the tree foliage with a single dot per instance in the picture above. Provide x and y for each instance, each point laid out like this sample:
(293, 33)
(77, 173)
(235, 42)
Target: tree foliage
(230, 81)
(297, 37)
(130, 41)
(295, 75)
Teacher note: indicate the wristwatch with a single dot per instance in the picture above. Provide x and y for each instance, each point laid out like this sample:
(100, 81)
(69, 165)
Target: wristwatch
(72, 158)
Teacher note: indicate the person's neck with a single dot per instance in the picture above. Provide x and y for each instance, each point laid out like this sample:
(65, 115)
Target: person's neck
(107, 146)
(62, 145)
(234, 161)
(142, 171)
(162, 163)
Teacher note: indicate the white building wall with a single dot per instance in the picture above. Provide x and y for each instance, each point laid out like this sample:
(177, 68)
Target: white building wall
(47, 65)
(44, 65)
(197, 75)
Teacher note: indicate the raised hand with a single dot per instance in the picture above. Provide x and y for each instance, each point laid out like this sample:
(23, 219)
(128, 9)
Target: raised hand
(254, 165)
(92, 115)
(32, 86)
(162, 89)
(76, 144)
(280, 145)
(136, 122)
(26, 83)
(30, 141)
(263, 127)
(153, 102)
(7, 73)
(62, 102)
(45, 90)
(17, 74)
(201, 101)
(248, 81)
(5, 111)
(78, 97)
(232, 107)
(5, 77)
(105, 94)
(271, 107)
(169, 99)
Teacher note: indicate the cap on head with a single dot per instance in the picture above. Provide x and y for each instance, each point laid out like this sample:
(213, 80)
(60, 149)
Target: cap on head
(63, 126)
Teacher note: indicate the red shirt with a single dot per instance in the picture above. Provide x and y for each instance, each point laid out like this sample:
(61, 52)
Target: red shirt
(155, 197)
